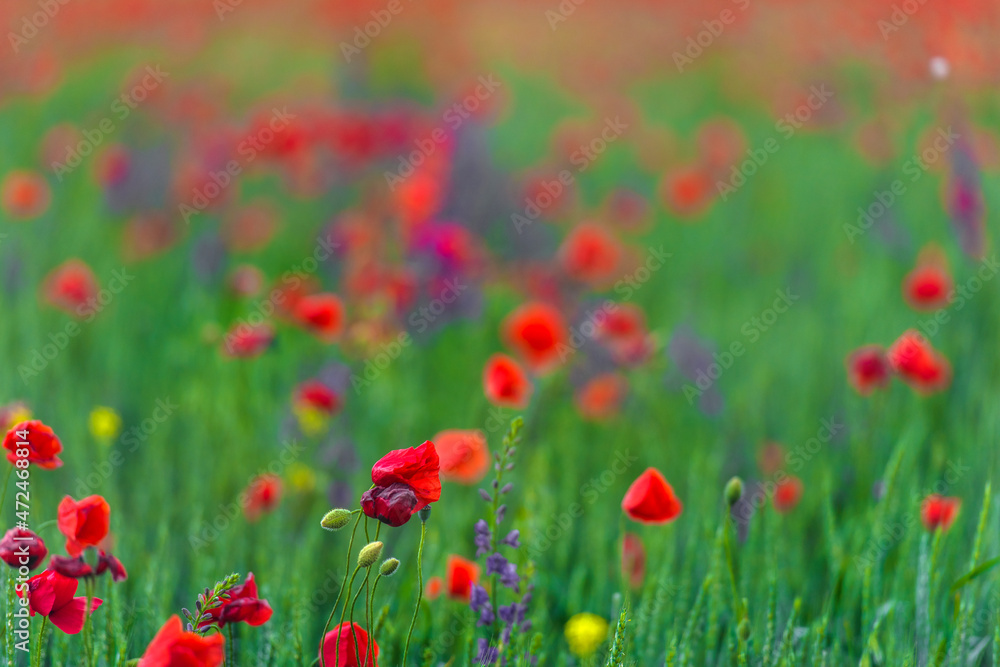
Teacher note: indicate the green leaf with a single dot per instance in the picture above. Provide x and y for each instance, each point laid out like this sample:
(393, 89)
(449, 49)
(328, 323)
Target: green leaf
(973, 573)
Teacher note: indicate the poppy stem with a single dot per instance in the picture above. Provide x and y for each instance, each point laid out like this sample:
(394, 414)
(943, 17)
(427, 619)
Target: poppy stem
(347, 566)
(6, 481)
(41, 641)
(231, 647)
(350, 619)
(87, 613)
(420, 590)
(369, 602)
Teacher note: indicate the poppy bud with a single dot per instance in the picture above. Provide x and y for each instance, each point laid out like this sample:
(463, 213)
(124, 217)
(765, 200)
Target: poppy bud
(424, 513)
(734, 491)
(336, 519)
(388, 567)
(369, 554)
(744, 630)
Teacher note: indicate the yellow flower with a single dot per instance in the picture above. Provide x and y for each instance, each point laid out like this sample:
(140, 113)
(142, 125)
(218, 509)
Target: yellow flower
(14, 414)
(301, 477)
(105, 424)
(585, 633)
(313, 422)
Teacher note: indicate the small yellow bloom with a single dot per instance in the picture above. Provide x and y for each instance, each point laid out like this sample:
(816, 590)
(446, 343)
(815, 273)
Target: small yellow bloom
(585, 633)
(14, 414)
(313, 422)
(105, 424)
(301, 477)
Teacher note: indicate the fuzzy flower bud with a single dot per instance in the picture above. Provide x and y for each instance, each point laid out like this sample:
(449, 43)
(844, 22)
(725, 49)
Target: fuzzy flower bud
(336, 519)
(389, 566)
(369, 554)
(734, 491)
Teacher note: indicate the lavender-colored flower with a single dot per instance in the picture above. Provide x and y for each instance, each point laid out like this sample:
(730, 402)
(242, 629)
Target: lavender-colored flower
(478, 597)
(501, 513)
(483, 537)
(509, 577)
(485, 495)
(487, 654)
(508, 613)
(513, 539)
(496, 563)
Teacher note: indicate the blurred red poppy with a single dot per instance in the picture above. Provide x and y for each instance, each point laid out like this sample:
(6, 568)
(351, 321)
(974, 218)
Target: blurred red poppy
(505, 383)
(315, 395)
(928, 286)
(243, 605)
(590, 254)
(464, 455)
(84, 523)
(50, 594)
(461, 574)
(623, 332)
(245, 341)
(538, 333)
(262, 496)
(939, 512)
(70, 287)
(433, 588)
(687, 191)
(322, 314)
(919, 364)
(22, 547)
(43, 446)
(173, 647)
(24, 195)
(787, 494)
(868, 369)
(633, 560)
(339, 647)
(601, 397)
(246, 280)
(650, 499)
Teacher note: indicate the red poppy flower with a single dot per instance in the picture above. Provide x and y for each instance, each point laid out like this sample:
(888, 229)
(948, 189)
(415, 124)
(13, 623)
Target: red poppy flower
(623, 332)
(868, 369)
(148, 235)
(262, 496)
(393, 505)
(602, 396)
(173, 647)
(21, 546)
(538, 333)
(340, 649)
(927, 287)
(651, 499)
(51, 594)
(687, 192)
(43, 445)
(633, 560)
(771, 457)
(24, 195)
(322, 314)
(246, 341)
(939, 512)
(464, 455)
(78, 568)
(315, 395)
(84, 523)
(243, 605)
(417, 467)
(919, 364)
(787, 494)
(461, 574)
(70, 287)
(505, 383)
(590, 254)
(246, 280)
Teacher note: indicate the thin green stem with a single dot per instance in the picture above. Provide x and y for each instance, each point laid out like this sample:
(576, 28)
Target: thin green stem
(41, 642)
(369, 601)
(232, 647)
(347, 566)
(350, 587)
(354, 602)
(88, 611)
(6, 482)
(420, 590)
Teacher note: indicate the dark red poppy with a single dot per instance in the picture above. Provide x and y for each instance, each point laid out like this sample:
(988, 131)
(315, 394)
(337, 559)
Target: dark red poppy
(243, 606)
(929, 284)
(687, 191)
(262, 496)
(339, 647)
(787, 494)
(322, 314)
(461, 574)
(650, 499)
(246, 341)
(919, 364)
(84, 523)
(633, 560)
(43, 446)
(315, 395)
(590, 254)
(939, 512)
(601, 397)
(868, 369)
(505, 383)
(21, 547)
(393, 505)
(51, 594)
(538, 333)
(78, 568)
(417, 467)
(70, 287)
(173, 647)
